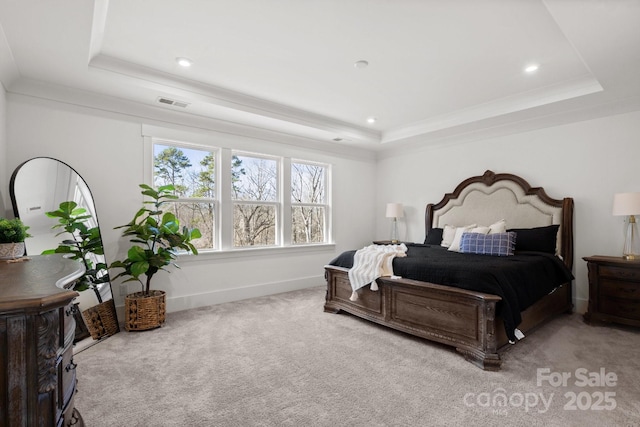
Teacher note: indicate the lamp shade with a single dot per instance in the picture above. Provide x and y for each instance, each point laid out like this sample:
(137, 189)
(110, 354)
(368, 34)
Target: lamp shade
(394, 210)
(626, 204)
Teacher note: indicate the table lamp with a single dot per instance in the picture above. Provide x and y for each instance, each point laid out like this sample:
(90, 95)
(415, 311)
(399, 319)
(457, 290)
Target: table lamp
(394, 210)
(629, 204)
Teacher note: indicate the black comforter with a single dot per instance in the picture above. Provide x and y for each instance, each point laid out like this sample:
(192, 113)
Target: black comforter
(520, 280)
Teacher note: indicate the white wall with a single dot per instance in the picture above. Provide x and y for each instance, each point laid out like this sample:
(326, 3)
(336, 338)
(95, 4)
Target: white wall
(106, 149)
(589, 161)
(4, 186)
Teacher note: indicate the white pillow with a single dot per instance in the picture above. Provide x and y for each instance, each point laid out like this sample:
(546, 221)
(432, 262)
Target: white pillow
(455, 244)
(480, 229)
(451, 235)
(498, 227)
(448, 233)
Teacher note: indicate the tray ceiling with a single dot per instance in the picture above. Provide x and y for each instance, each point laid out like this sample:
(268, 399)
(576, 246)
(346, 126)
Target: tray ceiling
(435, 69)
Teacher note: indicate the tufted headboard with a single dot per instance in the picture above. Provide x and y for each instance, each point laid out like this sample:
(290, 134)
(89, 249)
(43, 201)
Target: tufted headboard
(491, 197)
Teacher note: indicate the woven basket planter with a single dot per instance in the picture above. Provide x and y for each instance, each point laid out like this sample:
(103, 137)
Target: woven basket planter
(101, 320)
(144, 312)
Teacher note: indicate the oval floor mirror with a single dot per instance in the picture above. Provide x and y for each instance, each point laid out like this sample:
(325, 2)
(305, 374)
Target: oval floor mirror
(44, 185)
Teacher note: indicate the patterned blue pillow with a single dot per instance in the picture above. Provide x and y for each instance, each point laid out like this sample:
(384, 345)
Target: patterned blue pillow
(500, 244)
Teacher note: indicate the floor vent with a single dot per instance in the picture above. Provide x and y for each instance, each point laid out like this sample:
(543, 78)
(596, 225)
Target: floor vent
(173, 102)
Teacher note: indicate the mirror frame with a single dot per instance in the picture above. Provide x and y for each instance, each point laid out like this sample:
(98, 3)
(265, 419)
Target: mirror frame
(16, 212)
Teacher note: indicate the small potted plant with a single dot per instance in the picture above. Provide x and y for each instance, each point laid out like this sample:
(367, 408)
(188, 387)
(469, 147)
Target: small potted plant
(157, 237)
(12, 235)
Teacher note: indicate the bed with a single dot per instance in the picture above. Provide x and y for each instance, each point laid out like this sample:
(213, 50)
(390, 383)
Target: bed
(465, 312)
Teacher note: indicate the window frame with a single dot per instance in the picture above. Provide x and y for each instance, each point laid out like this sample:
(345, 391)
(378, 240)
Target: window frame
(223, 203)
(326, 204)
(276, 203)
(215, 200)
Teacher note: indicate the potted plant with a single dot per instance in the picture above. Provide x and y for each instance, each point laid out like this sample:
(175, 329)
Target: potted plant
(12, 235)
(85, 245)
(157, 236)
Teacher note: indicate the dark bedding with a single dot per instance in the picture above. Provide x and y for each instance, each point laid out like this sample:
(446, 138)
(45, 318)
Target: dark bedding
(520, 280)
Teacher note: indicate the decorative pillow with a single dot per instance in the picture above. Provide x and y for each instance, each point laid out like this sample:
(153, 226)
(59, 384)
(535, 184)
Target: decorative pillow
(498, 227)
(448, 233)
(499, 244)
(434, 237)
(455, 244)
(539, 239)
(481, 229)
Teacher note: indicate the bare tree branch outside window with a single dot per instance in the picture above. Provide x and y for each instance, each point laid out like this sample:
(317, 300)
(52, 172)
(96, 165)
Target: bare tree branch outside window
(308, 203)
(254, 182)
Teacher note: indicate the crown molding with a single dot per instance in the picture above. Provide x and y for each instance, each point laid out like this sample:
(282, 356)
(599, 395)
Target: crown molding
(584, 85)
(219, 96)
(72, 98)
(9, 71)
(504, 126)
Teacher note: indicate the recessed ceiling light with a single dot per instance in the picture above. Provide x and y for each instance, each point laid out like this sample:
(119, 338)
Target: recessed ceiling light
(184, 62)
(531, 68)
(361, 64)
(371, 120)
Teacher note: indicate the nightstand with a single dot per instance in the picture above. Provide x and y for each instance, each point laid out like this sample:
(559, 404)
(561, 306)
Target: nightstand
(614, 290)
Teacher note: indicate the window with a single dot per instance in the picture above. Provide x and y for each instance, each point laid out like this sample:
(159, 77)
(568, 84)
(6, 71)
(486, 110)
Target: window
(308, 203)
(254, 182)
(192, 173)
(242, 200)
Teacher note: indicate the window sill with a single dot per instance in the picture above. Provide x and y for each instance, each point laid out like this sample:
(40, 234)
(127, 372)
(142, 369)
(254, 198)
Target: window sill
(255, 251)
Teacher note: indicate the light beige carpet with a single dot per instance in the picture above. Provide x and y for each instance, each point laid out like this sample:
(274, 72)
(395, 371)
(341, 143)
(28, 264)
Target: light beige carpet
(281, 361)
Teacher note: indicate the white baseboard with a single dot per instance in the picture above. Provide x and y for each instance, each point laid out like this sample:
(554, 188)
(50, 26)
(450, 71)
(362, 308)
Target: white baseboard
(234, 294)
(581, 305)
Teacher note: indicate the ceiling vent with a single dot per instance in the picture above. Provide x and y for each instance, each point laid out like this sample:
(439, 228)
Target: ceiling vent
(175, 103)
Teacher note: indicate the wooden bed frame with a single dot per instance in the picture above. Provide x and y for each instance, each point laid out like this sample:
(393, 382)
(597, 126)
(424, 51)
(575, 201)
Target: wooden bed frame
(460, 318)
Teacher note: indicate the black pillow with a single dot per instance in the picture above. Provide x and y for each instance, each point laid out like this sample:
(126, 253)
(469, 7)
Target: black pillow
(434, 237)
(539, 239)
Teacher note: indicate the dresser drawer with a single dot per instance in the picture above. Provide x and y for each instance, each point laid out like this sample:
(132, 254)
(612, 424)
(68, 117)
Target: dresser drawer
(68, 325)
(72, 417)
(620, 308)
(66, 379)
(620, 289)
(619, 272)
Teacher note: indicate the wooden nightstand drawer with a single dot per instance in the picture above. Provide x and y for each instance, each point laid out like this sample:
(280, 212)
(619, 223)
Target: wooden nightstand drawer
(620, 308)
(614, 290)
(618, 289)
(619, 273)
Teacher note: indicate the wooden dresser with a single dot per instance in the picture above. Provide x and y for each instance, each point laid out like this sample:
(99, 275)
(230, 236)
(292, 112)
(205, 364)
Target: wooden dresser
(37, 372)
(614, 290)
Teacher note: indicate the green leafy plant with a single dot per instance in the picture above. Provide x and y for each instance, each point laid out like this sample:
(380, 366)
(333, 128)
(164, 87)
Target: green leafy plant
(13, 230)
(84, 245)
(158, 236)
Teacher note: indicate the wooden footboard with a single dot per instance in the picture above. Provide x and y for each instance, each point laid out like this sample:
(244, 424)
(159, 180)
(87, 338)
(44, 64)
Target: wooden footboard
(462, 319)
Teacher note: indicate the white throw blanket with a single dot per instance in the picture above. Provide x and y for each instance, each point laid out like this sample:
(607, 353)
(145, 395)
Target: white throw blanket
(372, 262)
